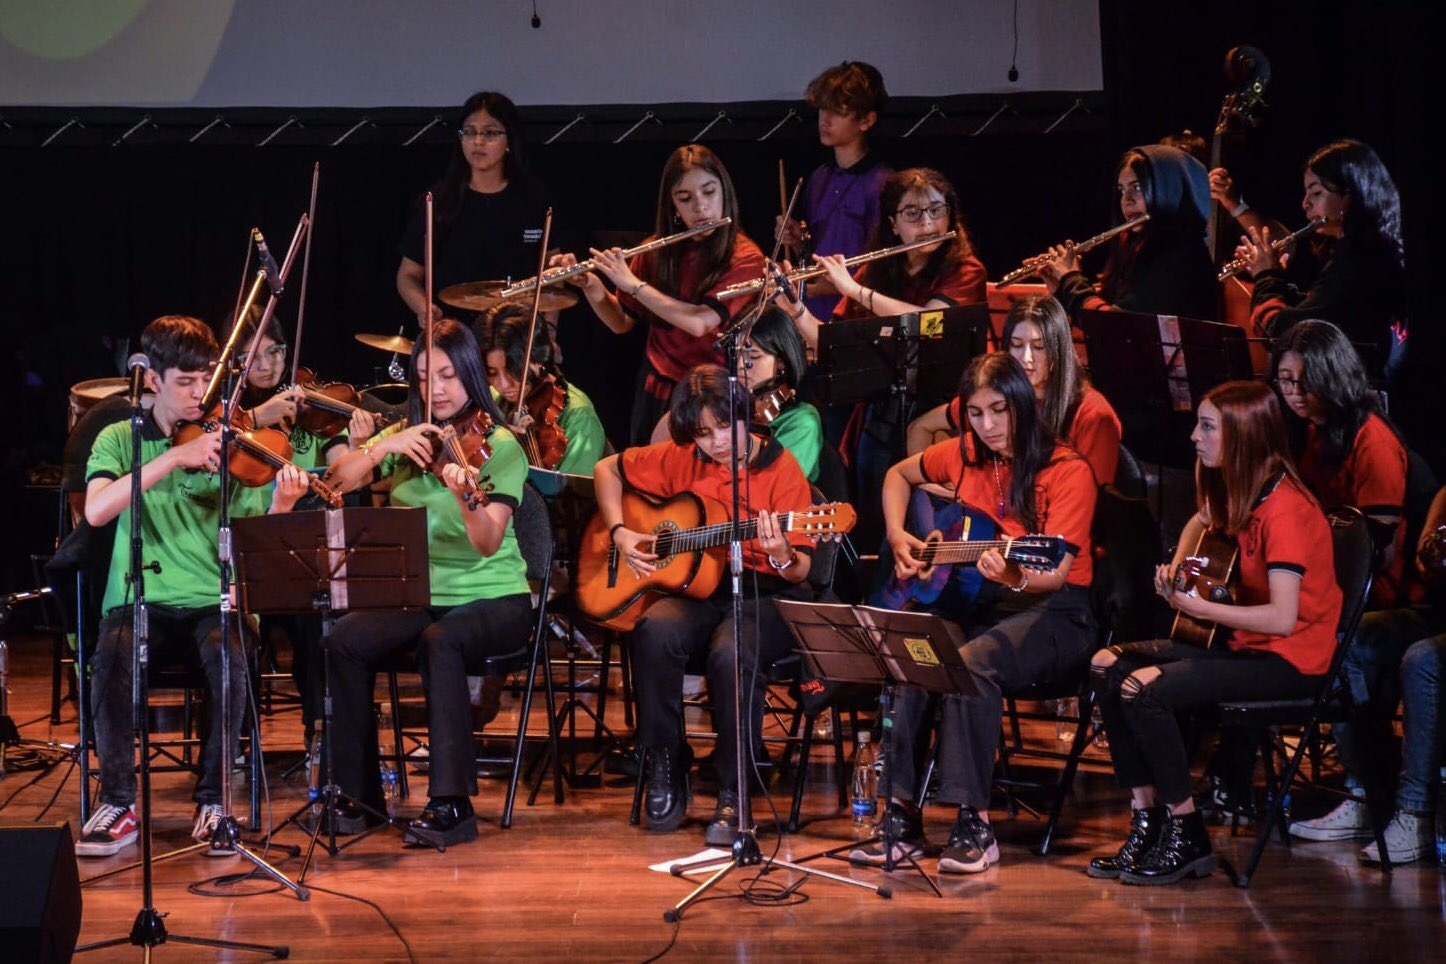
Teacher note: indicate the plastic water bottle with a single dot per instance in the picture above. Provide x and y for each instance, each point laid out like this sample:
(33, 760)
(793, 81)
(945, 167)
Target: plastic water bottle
(865, 788)
(391, 787)
(313, 772)
(1064, 728)
(1441, 822)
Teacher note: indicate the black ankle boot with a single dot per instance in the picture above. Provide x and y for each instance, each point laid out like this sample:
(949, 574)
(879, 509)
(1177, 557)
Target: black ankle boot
(667, 790)
(445, 821)
(1146, 824)
(1183, 850)
(724, 825)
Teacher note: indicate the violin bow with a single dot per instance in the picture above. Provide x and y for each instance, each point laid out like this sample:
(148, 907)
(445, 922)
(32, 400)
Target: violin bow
(305, 272)
(427, 269)
(532, 326)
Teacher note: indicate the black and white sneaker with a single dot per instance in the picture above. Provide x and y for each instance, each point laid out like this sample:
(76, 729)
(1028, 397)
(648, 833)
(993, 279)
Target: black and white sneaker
(208, 815)
(906, 825)
(972, 847)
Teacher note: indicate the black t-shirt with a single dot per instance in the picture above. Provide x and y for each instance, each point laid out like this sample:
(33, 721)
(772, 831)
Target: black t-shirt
(493, 237)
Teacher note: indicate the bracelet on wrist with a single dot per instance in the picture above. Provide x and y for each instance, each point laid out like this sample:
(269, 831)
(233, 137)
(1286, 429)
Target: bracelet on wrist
(637, 288)
(783, 566)
(1023, 582)
(613, 532)
(799, 313)
(1239, 209)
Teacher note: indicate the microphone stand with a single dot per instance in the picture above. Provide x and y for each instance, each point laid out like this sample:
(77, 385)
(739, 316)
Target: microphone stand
(744, 852)
(149, 929)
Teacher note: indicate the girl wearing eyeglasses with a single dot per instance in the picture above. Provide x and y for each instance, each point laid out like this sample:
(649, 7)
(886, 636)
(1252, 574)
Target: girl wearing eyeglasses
(1347, 452)
(1162, 266)
(487, 212)
(917, 203)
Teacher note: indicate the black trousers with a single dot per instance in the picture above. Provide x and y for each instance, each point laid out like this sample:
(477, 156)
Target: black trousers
(191, 637)
(677, 630)
(1146, 745)
(449, 642)
(1052, 639)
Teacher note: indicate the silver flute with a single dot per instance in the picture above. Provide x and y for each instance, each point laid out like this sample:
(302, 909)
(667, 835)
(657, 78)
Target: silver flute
(559, 275)
(1240, 264)
(1032, 266)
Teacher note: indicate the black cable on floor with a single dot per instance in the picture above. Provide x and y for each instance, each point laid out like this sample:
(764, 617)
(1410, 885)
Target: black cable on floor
(411, 955)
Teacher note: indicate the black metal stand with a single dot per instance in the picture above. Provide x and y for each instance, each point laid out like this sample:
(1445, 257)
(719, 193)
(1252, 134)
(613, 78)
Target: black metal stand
(350, 559)
(149, 930)
(745, 852)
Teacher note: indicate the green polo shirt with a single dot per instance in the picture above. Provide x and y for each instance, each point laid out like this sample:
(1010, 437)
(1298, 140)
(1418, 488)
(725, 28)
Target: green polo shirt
(799, 429)
(585, 438)
(180, 524)
(459, 573)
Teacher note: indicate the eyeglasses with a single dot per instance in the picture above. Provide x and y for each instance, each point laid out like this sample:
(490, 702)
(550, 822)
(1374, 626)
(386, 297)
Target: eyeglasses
(912, 214)
(275, 353)
(1290, 385)
(488, 134)
(1130, 190)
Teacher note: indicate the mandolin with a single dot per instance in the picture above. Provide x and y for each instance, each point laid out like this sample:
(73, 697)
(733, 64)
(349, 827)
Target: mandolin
(690, 536)
(1208, 572)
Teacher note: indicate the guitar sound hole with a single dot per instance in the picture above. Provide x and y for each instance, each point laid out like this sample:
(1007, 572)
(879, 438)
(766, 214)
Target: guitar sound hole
(663, 543)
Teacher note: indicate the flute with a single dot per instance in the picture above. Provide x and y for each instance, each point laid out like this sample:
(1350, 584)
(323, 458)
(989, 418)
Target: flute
(559, 275)
(1032, 266)
(804, 274)
(1233, 268)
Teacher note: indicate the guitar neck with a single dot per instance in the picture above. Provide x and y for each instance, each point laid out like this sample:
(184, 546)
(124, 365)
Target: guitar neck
(707, 537)
(966, 552)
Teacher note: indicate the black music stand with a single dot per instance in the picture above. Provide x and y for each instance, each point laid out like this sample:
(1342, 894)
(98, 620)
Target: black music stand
(338, 560)
(1156, 368)
(918, 353)
(865, 644)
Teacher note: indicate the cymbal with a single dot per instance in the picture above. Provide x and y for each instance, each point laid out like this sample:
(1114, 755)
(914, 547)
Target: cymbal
(391, 343)
(481, 295)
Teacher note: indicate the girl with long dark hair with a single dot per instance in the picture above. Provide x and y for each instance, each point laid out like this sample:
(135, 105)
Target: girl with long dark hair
(1283, 617)
(479, 605)
(1361, 284)
(1007, 469)
(673, 289)
(487, 211)
(1037, 334)
(1160, 267)
(1348, 453)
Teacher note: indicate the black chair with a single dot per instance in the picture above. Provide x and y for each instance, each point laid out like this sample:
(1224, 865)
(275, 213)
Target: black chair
(1127, 547)
(533, 529)
(1129, 476)
(1355, 562)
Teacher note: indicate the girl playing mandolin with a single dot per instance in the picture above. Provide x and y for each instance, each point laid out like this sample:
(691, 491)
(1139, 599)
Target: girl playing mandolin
(1283, 621)
(705, 424)
(1010, 472)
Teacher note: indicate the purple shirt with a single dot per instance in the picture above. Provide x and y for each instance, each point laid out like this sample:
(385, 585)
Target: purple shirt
(841, 207)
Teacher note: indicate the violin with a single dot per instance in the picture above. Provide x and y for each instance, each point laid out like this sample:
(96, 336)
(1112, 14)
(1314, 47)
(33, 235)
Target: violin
(463, 442)
(544, 440)
(326, 408)
(257, 454)
(769, 404)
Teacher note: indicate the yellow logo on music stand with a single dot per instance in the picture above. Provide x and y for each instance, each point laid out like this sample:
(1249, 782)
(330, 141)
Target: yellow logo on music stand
(922, 652)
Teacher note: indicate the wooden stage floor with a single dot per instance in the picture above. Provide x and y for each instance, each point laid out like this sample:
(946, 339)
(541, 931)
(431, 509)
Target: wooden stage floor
(571, 881)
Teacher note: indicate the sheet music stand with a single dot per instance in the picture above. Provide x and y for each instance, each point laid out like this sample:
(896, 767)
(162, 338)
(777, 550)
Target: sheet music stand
(339, 560)
(865, 644)
(920, 352)
(1156, 368)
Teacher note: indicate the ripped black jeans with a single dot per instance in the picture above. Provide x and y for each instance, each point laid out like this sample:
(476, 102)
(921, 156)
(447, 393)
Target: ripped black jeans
(1146, 744)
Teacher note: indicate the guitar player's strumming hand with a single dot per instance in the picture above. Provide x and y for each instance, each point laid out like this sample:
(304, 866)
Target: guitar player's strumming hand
(634, 547)
(906, 548)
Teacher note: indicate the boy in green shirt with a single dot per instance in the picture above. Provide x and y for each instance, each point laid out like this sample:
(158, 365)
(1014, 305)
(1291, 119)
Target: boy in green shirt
(180, 528)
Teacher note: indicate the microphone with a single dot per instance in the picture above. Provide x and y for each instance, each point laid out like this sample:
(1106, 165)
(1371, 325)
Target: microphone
(781, 280)
(268, 263)
(138, 364)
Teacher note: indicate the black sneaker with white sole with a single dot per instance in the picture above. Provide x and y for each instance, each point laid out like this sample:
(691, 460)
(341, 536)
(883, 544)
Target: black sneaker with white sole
(972, 847)
(906, 826)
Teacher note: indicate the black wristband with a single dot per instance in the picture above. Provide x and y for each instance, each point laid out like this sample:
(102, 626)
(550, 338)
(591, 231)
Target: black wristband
(612, 533)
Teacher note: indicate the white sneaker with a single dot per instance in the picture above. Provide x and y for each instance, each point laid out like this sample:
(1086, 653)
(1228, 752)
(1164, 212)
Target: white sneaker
(1351, 820)
(110, 829)
(207, 816)
(1408, 837)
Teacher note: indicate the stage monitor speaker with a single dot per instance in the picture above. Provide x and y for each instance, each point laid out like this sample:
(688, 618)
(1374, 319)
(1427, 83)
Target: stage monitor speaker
(40, 906)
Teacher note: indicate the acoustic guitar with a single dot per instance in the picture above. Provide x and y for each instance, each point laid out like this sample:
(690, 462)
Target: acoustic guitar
(954, 538)
(690, 536)
(1208, 572)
